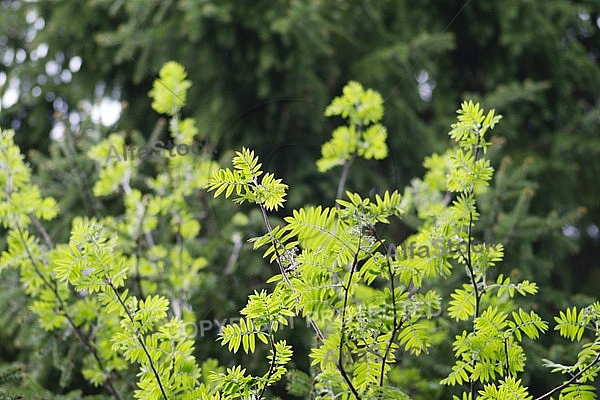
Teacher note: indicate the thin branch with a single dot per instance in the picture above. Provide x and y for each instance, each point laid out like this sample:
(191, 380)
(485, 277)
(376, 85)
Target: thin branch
(470, 266)
(137, 238)
(272, 366)
(469, 261)
(41, 230)
(388, 348)
(570, 381)
(343, 327)
(396, 325)
(344, 177)
(469, 237)
(284, 274)
(138, 336)
(506, 355)
(62, 306)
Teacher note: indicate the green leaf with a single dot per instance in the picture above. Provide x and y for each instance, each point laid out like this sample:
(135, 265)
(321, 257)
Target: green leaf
(462, 305)
(570, 323)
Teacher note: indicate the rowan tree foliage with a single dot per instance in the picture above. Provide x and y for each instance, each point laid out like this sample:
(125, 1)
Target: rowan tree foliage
(261, 75)
(272, 67)
(121, 285)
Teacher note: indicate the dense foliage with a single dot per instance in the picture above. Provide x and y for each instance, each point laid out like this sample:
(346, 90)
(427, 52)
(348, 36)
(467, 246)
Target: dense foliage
(122, 285)
(259, 75)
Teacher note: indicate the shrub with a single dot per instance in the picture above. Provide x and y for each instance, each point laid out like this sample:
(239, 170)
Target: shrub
(122, 284)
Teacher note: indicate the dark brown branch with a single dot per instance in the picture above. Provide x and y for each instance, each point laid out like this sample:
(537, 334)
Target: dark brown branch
(396, 325)
(343, 326)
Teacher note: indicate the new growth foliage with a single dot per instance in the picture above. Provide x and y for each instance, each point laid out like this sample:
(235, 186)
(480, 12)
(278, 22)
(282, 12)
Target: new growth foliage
(124, 292)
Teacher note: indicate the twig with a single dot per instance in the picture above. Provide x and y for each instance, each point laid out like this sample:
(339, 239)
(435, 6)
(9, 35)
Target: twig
(41, 230)
(396, 325)
(312, 322)
(570, 381)
(140, 341)
(138, 335)
(470, 263)
(283, 271)
(342, 182)
(272, 366)
(62, 306)
(343, 327)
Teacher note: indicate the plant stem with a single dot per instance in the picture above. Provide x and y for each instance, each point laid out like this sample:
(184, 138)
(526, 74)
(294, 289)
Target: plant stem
(396, 325)
(343, 327)
(570, 381)
(313, 324)
(289, 283)
(62, 306)
(138, 336)
(343, 178)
